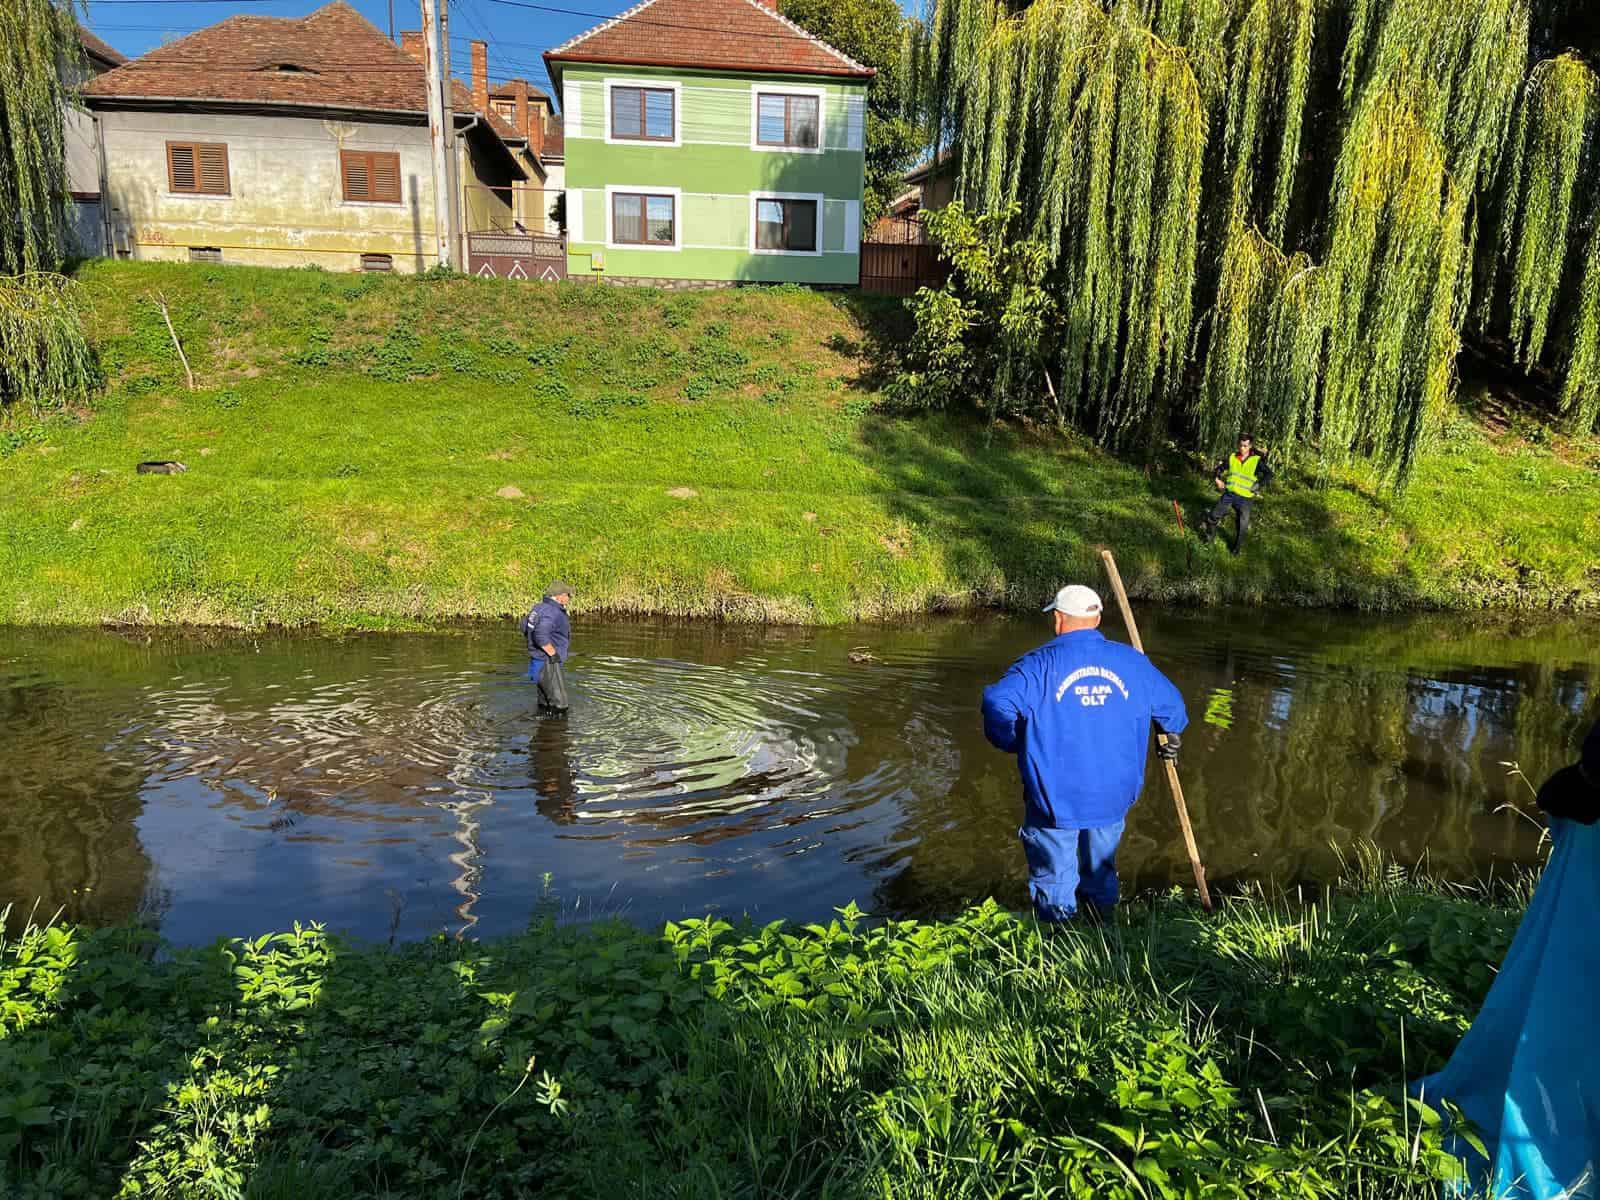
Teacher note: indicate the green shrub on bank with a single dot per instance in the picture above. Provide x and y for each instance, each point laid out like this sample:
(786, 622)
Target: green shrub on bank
(1259, 1052)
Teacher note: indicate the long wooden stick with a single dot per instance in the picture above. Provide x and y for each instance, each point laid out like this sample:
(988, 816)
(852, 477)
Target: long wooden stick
(161, 303)
(1172, 767)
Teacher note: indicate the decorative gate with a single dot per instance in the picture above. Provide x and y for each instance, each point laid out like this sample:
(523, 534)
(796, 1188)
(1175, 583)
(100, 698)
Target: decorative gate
(517, 255)
(897, 258)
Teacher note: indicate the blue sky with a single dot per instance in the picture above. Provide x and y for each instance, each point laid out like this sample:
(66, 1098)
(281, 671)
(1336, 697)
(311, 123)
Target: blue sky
(517, 33)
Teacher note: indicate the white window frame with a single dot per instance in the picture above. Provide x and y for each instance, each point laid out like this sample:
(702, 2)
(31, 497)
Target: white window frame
(660, 85)
(757, 90)
(645, 189)
(755, 200)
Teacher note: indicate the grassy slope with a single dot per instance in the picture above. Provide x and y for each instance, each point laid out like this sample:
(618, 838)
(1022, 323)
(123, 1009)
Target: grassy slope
(1260, 1052)
(350, 436)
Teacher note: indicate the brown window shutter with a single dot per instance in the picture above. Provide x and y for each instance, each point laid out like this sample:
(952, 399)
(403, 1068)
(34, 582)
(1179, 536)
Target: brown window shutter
(213, 160)
(180, 168)
(386, 178)
(354, 168)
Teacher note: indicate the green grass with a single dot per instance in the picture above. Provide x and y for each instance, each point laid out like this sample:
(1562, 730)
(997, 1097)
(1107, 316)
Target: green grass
(714, 453)
(1261, 1051)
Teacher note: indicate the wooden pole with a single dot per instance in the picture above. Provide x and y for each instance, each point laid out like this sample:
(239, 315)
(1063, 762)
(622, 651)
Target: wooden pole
(439, 138)
(161, 303)
(1172, 768)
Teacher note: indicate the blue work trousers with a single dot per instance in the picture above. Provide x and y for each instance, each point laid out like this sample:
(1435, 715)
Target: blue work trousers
(1069, 867)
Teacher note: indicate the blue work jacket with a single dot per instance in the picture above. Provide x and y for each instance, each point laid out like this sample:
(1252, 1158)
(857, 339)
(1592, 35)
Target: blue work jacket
(548, 625)
(1076, 712)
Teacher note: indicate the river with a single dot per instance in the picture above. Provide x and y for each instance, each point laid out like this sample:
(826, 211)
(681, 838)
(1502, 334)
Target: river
(401, 785)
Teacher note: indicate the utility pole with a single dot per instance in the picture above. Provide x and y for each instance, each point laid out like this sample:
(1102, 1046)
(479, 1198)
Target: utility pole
(436, 134)
(452, 165)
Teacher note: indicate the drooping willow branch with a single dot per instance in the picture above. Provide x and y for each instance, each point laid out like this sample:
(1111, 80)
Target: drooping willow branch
(45, 359)
(1266, 210)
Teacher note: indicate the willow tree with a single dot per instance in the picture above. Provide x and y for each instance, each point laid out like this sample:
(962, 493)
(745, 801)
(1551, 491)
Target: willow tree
(1095, 132)
(44, 358)
(1540, 277)
(1279, 211)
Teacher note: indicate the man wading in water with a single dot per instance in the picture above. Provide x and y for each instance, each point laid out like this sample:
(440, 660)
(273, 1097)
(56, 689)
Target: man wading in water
(1076, 712)
(549, 634)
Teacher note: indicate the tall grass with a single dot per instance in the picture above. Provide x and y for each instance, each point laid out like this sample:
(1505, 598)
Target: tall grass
(1262, 1051)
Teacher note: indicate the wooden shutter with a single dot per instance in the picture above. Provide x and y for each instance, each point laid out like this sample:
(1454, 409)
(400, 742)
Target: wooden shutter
(386, 178)
(180, 168)
(370, 176)
(357, 176)
(200, 168)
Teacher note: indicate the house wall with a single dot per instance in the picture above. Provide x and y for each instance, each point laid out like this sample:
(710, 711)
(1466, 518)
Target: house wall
(286, 206)
(716, 172)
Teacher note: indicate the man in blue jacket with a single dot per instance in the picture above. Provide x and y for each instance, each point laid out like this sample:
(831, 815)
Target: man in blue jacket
(1077, 713)
(549, 633)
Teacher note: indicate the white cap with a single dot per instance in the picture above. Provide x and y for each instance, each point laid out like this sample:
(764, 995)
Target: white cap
(1076, 601)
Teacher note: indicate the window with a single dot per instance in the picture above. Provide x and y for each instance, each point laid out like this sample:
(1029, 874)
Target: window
(377, 262)
(641, 114)
(212, 254)
(790, 121)
(641, 220)
(506, 108)
(786, 225)
(370, 176)
(197, 168)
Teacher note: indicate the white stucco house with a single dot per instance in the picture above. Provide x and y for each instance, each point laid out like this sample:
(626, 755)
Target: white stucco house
(289, 142)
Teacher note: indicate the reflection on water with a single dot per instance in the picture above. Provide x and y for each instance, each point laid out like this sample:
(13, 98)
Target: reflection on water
(223, 785)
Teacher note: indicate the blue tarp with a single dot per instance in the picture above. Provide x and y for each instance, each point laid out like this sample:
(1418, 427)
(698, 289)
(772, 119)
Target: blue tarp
(1528, 1071)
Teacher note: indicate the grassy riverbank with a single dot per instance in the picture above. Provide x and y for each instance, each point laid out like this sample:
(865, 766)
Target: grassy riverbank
(367, 452)
(1259, 1052)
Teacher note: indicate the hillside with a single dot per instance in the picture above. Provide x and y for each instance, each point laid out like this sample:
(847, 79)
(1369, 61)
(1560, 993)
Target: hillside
(366, 451)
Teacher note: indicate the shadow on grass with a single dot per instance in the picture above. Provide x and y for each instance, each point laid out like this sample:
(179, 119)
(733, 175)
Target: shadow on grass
(1019, 511)
(956, 1059)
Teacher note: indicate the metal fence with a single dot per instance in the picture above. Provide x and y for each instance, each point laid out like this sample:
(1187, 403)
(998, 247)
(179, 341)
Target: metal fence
(898, 257)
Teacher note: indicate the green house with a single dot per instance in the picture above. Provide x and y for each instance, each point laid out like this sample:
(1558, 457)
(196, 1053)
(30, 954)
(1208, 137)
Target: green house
(711, 141)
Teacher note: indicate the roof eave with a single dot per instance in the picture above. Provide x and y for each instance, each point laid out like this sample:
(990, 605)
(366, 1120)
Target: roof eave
(552, 59)
(101, 100)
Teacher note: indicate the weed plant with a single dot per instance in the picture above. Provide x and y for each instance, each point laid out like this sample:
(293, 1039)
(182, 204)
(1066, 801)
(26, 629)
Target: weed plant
(1259, 1052)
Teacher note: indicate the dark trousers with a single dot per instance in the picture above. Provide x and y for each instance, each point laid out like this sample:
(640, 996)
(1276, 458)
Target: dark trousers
(1069, 867)
(546, 672)
(1240, 506)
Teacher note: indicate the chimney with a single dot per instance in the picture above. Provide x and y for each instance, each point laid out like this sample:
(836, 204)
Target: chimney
(480, 76)
(523, 124)
(411, 42)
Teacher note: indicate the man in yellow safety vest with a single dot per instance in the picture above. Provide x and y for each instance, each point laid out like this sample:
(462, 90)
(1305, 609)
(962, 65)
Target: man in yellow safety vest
(1240, 478)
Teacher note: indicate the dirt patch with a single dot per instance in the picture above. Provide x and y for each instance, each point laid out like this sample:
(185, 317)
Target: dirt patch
(502, 455)
(682, 493)
(510, 492)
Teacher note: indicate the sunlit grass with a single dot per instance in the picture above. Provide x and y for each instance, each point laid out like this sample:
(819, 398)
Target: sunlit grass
(709, 454)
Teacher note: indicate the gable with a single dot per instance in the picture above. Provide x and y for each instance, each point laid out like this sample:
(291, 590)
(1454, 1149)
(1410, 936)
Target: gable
(732, 35)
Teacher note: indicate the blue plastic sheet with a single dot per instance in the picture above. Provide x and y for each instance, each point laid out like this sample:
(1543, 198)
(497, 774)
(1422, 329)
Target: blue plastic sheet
(1528, 1071)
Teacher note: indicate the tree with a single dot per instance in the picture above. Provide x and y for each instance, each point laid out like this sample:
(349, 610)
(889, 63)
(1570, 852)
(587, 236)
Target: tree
(876, 34)
(44, 357)
(1285, 214)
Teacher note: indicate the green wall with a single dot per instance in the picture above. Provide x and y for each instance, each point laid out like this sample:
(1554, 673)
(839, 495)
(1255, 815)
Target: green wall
(716, 171)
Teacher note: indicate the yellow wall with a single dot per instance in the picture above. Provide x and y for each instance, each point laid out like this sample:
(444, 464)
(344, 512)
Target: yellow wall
(286, 205)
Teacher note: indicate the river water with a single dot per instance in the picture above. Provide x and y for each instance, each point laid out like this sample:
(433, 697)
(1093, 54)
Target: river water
(219, 784)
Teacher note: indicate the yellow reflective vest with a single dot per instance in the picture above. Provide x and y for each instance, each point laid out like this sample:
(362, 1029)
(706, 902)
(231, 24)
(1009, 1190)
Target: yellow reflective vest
(1242, 475)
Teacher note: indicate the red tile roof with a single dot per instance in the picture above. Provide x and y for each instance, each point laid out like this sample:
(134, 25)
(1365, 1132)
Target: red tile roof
(737, 35)
(340, 61)
(508, 90)
(99, 51)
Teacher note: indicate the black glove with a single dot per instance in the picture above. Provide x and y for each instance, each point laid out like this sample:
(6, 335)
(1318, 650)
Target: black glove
(1167, 750)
